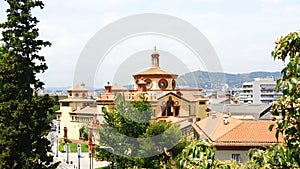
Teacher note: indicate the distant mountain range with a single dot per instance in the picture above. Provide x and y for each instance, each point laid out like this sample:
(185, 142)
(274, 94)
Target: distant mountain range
(203, 79)
(214, 80)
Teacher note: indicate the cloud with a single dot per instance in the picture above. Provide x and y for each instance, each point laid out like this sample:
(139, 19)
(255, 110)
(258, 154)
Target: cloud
(242, 33)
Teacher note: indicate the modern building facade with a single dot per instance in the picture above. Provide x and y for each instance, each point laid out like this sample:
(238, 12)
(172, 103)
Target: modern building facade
(260, 91)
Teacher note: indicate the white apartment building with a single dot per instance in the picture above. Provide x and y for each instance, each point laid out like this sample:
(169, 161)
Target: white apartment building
(260, 91)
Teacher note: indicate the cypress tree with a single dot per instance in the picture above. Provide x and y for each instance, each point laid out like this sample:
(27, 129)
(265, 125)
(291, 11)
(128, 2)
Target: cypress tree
(24, 116)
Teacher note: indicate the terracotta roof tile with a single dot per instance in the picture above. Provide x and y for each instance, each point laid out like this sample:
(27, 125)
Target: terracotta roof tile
(251, 131)
(236, 131)
(214, 127)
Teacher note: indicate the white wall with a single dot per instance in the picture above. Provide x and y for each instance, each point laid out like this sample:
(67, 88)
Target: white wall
(227, 155)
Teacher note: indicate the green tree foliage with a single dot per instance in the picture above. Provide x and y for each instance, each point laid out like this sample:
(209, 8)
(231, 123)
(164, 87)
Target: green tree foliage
(285, 155)
(126, 121)
(277, 156)
(164, 141)
(288, 106)
(24, 117)
(136, 141)
(56, 103)
(230, 164)
(197, 154)
(84, 131)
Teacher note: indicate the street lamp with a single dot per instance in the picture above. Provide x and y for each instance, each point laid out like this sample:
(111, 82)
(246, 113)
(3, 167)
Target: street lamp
(108, 147)
(57, 145)
(67, 152)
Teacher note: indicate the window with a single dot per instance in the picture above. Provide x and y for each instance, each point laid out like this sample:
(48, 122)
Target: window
(202, 102)
(65, 104)
(236, 157)
(149, 83)
(163, 84)
(173, 84)
(103, 109)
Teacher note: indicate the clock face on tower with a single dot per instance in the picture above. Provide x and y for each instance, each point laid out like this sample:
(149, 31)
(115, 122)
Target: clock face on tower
(163, 84)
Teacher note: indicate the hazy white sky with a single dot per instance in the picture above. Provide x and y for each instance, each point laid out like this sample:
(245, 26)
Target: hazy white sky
(241, 32)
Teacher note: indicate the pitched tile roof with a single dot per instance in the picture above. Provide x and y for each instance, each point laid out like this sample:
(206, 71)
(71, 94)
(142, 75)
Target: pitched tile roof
(213, 128)
(251, 131)
(236, 131)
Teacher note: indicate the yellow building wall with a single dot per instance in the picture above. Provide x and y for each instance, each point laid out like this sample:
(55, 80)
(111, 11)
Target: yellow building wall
(202, 111)
(155, 85)
(186, 108)
(66, 121)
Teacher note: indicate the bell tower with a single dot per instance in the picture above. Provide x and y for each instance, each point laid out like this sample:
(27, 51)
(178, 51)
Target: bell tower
(155, 58)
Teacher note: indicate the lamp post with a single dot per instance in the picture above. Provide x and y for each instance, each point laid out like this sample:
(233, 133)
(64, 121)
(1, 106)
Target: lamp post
(67, 153)
(90, 153)
(108, 147)
(79, 154)
(57, 146)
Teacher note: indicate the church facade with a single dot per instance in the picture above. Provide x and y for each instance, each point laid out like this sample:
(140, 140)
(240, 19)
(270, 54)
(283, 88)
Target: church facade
(155, 84)
(159, 88)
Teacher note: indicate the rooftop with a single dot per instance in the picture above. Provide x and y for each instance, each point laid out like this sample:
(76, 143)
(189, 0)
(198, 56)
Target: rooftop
(78, 87)
(241, 132)
(155, 71)
(255, 110)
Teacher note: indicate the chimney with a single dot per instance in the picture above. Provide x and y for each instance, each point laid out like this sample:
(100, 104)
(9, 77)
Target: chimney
(107, 88)
(225, 119)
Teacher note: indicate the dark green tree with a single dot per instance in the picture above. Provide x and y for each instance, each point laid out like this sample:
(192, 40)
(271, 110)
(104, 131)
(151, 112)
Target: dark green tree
(137, 141)
(123, 125)
(159, 144)
(24, 117)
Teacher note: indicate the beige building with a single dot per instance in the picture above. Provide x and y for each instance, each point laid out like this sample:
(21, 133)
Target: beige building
(75, 111)
(158, 86)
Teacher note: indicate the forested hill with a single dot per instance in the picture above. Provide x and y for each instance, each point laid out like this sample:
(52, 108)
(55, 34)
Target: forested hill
(208, 80)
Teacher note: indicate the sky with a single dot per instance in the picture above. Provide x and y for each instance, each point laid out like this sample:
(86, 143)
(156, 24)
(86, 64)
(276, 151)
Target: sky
(242, 34)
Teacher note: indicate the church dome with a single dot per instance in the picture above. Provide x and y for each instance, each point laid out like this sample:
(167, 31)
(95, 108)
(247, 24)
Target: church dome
(155, 77)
